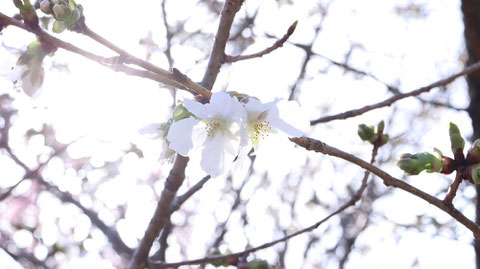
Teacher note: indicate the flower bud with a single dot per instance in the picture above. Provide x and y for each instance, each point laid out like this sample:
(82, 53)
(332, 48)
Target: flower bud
(474, 173)
(62, 12)
(416, 163)
(473, 155)
(366, 133)
(45, 6)
(380, 127)
(384, 140)
(456, 139)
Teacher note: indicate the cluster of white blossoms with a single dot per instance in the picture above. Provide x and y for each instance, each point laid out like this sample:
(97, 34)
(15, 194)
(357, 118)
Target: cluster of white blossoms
(226, 128)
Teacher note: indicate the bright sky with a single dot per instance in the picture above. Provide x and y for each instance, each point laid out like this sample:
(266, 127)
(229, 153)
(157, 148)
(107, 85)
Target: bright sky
(109, 108)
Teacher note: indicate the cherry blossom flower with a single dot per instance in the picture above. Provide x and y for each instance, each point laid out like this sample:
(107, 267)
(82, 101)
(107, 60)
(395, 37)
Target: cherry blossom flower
(216, 129)
(265, 119)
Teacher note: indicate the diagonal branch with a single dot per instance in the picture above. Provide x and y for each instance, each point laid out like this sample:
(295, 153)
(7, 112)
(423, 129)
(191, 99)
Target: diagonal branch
(116, 63)
(356, 112)
(279, 43)
(388, 180)
(217, 57)
(349, 203)
(161, 214)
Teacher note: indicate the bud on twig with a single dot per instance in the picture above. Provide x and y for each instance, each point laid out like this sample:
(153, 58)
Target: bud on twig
(456, 139)
(366, 133)
(416, 163)
(473, 155)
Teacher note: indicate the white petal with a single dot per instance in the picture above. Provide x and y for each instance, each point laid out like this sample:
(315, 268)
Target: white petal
(180, 135)
(152, 128)
(287, 128)
(195, 108)
(220, 103)
(213, 156)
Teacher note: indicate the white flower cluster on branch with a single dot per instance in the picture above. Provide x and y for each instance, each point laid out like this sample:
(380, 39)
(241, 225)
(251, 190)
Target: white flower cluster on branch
(226, 128)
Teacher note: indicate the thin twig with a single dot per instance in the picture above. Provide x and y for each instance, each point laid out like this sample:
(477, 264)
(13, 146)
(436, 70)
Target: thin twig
(356, 112)
(388, 180)
(156, 73)
(453, 189)
(217, 56)
(351, 202)
(113, 237)
(279, 43)
(19, 254)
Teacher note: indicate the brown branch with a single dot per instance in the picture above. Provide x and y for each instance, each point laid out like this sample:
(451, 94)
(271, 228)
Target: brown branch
(217, 56)
(19, 254)
(356, 112)
(453, 189)
(179, 200)
(279, 43)
(156, 73)
(113, 237)
(388, 180)
(161, 215)
(351, 202)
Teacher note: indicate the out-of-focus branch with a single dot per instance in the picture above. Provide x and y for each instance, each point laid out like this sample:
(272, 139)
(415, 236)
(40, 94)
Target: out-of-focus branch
(356, 112)
(279, 43)
(388, 180)
(217, 57)
(179, 200)
(162, 213)
(351, 202)
(112, 235)
(116, 63)
(18, 255)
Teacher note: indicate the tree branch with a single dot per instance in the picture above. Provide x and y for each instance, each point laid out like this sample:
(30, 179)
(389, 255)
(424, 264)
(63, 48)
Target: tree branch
(217, 56)
(356, 112)
(351, 202)
(388, 180)
(279, 43)
(115, 63)
(162, 213)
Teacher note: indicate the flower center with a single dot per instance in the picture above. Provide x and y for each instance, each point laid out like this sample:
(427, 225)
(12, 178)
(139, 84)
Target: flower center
(260, 128)
(213, 127)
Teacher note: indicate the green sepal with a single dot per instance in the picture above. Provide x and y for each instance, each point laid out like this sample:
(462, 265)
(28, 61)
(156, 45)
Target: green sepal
(456, 140)
(58, 26)
(180, 113)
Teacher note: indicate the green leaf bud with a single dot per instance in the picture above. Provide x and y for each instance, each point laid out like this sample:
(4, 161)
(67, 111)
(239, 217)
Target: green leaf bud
(456, 139)
(473, 155)
(416, 163)
(474, 173)
(366, 133)
(380, 127)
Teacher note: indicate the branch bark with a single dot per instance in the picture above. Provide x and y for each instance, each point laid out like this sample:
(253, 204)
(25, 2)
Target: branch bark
(162, 213)
(388, 102)
(217, 57)
(388, 180)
